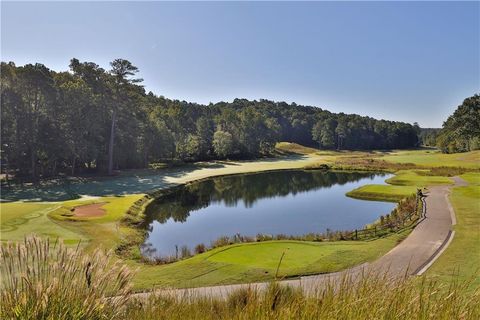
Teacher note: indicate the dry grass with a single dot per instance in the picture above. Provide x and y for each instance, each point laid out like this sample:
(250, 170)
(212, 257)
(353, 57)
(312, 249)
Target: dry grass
(45, 281)
(370, 296)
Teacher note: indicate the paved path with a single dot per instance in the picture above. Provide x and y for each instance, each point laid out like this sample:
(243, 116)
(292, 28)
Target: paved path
(411, 257)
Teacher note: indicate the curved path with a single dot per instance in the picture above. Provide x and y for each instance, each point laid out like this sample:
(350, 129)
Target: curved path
(412, 256)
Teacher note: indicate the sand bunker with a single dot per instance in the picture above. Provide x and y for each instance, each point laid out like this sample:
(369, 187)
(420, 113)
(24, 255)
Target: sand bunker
(90, 210)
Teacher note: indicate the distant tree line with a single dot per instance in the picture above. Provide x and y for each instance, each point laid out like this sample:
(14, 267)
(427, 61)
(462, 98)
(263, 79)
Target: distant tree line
(428, 136)
(95, 120)
(461, 131)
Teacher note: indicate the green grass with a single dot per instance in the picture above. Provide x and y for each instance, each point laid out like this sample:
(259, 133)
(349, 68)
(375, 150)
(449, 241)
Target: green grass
(416, 178)
(252, 262)
(55, 220)
(104, 231)
(246, 262)
(380, 192)
(434, 158)
(41, 281)
(114, 207)
(472, 178)
(462, 257)
(23, 218)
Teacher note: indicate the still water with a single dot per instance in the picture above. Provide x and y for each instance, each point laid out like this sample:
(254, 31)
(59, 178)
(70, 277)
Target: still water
(282, 202)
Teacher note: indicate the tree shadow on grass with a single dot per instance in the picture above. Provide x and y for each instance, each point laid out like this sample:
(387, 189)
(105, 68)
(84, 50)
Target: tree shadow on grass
(126, 182)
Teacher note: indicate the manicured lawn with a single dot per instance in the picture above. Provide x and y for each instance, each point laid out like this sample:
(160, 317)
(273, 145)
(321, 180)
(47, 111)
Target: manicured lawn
(382, 192)
(23, 218)
(416, 178)
(114, 207)
(472, 178)
(434, 158)
(19, 219)
(462, 257)
(252, 262)
(105, 230)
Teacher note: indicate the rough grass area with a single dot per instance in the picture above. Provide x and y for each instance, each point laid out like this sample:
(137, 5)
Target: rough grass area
(434, 158)
(253, 262)
(461, 260)
(380, 192)
(417, 178)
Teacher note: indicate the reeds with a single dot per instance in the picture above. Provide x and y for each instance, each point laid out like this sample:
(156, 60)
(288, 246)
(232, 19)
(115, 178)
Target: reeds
(40, 280)
(360, 296)
(44, 281)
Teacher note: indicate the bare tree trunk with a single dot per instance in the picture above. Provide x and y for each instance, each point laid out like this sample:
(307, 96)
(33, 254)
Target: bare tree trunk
(110, 146)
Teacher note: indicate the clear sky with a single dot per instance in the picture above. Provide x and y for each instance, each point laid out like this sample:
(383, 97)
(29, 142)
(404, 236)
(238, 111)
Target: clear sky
(408, 61)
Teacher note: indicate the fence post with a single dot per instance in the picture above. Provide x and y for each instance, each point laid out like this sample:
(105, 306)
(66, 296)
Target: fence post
(356, 234)
(375, 231)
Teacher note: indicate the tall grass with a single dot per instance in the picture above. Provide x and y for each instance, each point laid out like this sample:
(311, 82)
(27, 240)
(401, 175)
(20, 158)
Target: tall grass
(44, 281)
(371, 297)
(41, 280)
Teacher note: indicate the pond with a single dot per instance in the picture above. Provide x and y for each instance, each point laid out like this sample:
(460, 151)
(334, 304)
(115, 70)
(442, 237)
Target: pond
(282, 202)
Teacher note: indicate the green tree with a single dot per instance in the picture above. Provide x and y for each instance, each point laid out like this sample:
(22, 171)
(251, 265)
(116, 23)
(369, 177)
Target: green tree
(121, 70)
(222, 143)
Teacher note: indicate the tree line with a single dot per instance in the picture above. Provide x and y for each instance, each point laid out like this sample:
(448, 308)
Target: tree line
(89, 119)
(461, 131)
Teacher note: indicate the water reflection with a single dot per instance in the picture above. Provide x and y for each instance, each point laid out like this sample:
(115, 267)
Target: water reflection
(289, 202)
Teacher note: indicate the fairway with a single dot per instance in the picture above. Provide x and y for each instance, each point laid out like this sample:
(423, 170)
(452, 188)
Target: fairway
(417, 178)
(434, 158)
(23, 218)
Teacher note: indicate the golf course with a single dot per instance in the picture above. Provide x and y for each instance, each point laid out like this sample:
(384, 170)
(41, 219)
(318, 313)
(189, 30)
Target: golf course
(240, 160)
(251, 262)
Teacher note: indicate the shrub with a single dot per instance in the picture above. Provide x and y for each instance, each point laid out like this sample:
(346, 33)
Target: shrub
(200, 248)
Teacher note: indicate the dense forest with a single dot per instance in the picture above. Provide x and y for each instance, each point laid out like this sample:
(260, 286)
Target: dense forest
(94, 120)
(428, 136)
(461, 131)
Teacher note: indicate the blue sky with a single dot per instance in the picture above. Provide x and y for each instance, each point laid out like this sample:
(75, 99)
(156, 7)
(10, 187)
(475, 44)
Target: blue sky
(408, 61)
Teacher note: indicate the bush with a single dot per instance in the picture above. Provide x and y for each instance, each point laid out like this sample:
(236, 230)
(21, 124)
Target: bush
(200, 248)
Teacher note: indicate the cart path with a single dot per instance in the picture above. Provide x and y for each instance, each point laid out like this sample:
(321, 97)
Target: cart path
(412, 256)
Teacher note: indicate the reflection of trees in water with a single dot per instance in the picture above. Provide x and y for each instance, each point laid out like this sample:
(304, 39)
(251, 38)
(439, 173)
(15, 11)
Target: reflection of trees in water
(246, 188)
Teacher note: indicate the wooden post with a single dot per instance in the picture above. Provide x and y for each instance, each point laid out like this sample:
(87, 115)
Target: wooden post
(356, 234)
